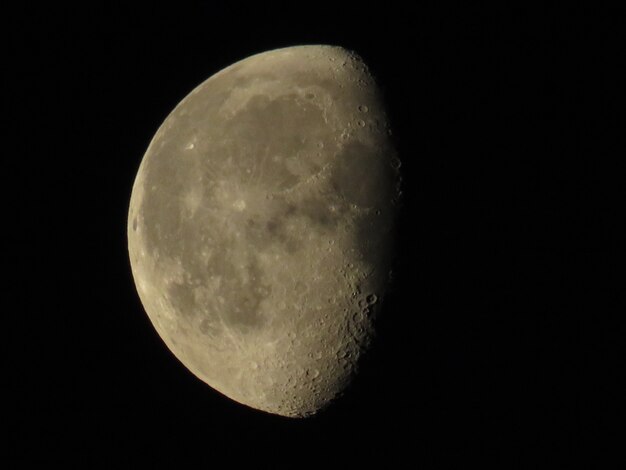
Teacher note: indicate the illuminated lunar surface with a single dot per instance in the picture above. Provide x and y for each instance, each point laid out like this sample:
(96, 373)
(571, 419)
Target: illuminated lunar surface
(260, 227)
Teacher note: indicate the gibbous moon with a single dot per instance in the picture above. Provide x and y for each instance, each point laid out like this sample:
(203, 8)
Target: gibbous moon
(261, 223)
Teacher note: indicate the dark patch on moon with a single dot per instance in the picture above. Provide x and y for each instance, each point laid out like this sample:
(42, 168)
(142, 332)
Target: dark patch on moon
(360, 175)
(318, 212)
(242, 289)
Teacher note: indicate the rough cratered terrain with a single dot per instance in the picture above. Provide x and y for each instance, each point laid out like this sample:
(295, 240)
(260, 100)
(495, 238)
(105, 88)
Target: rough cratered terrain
(260, 226)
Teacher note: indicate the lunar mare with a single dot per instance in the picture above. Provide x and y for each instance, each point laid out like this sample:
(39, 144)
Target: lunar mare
(260, 227)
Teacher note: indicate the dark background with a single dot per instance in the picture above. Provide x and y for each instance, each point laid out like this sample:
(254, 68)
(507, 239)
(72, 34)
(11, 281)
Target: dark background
(500, 339)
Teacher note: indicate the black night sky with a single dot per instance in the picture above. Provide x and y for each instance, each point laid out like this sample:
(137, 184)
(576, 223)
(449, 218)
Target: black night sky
(499, 342)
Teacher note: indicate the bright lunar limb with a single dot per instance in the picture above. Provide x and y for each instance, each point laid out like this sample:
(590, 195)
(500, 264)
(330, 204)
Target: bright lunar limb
(261, 223)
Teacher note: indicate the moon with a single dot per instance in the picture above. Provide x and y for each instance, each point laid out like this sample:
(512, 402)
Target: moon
(261, 226)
